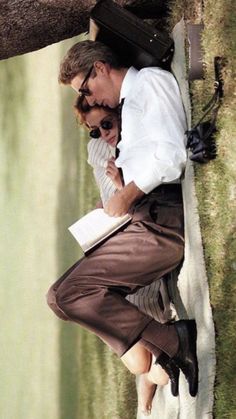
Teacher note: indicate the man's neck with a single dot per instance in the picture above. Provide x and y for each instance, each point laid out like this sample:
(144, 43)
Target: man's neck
(118, 76)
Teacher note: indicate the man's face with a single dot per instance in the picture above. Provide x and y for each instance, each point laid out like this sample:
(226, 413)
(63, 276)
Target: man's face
(99, 86)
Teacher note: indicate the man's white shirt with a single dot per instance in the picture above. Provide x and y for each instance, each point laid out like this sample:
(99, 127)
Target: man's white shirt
(152, 146)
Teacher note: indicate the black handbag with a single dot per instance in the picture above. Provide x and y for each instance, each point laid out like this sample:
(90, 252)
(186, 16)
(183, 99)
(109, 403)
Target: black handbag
(201, 138)
(134, 41)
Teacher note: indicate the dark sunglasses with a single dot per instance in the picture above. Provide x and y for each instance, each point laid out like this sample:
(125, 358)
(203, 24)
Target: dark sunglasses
(83, 90)
(96, 133)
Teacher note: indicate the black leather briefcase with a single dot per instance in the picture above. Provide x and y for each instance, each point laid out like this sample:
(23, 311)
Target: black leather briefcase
(136, 42)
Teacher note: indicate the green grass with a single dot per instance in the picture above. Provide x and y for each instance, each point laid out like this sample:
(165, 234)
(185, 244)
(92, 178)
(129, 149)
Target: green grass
(107, 389)
(215, 183)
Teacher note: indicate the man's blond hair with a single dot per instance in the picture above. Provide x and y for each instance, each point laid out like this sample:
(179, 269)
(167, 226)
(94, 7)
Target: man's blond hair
(81, 57)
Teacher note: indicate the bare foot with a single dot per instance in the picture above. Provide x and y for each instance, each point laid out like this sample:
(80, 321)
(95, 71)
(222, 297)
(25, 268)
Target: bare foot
(146, 391)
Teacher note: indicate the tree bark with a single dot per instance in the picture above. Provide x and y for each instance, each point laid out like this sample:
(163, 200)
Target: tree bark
(28, 25)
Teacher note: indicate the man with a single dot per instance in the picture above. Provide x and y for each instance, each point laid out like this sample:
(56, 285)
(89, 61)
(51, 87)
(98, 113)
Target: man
(152, 157)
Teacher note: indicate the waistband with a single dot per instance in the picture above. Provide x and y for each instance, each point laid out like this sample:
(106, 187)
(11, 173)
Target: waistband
(167, 189)
(165, 194)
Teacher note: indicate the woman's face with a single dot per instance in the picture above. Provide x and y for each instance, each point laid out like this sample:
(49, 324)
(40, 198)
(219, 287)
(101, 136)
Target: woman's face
(95, 119)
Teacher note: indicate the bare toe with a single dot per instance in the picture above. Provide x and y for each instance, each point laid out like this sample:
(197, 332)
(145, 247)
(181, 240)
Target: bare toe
(146, 391)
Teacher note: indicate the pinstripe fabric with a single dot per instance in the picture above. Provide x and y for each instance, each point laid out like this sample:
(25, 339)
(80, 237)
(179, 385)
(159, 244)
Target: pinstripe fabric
(99, 153)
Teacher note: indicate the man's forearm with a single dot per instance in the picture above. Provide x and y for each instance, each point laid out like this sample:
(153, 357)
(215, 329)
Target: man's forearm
(120, 203)
(131, 193)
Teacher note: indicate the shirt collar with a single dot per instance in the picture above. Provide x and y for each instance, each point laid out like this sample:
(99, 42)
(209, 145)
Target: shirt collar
(128, 82)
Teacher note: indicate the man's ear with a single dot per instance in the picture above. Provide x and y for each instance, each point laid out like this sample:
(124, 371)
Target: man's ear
(102, 68)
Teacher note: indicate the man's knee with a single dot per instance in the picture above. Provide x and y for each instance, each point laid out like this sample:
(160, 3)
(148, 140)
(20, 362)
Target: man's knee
(80, 302)
(51, 299)
(70, 301)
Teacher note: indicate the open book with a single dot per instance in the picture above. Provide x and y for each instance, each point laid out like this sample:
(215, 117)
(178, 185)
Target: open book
(96, 226)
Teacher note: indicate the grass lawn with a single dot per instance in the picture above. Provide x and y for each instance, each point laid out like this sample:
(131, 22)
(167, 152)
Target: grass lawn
(216, 189)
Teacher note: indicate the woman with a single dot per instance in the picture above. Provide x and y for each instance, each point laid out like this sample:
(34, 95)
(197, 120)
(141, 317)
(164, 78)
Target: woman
(103, 125)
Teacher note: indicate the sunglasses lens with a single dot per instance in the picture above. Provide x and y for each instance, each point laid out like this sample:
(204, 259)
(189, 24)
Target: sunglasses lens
(106, 125)
(84, 92)
(95, 133)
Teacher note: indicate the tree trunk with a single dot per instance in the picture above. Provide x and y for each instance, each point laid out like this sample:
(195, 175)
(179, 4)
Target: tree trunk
(28, 25)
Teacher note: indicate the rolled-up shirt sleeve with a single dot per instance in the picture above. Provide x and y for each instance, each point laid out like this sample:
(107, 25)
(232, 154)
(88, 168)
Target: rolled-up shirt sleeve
(152, 150)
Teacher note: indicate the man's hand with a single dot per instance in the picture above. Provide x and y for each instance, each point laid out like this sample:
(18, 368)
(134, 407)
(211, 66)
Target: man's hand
(120, 203)
(113, 173)
(117, 205)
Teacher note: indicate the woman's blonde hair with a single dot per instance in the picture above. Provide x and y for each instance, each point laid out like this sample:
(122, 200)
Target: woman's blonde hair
(82, 108)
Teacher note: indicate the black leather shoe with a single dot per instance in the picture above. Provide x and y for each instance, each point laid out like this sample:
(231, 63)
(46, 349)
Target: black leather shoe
(172, 370)
(186, 357)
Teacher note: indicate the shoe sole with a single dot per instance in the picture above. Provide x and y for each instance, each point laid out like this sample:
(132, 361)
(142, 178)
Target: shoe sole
(192, 344)
(192, 329)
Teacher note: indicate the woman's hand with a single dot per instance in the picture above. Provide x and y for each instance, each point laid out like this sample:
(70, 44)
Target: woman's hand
(114, 174)
(99, 204)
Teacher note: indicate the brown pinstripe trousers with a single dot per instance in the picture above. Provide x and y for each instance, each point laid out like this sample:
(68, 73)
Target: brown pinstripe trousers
(92, 292)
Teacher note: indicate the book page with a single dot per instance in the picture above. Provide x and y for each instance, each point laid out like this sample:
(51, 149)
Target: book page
(95, 226)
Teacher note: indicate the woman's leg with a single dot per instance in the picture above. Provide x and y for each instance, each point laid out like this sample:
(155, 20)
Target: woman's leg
(139, 361)
(157, 375)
